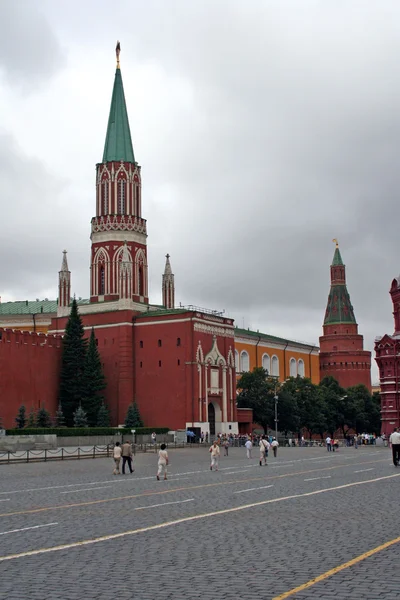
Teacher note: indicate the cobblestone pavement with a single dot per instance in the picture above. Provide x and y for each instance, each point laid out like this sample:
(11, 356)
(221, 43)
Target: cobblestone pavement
(72, 530)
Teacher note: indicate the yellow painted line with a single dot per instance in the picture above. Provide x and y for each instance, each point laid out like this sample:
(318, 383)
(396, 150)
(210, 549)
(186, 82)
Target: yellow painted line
(337, 569)
(172, 490)
(217, 513)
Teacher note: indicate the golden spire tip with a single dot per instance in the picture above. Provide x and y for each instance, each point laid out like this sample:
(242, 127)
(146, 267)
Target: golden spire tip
(117, 52)
(335, 242)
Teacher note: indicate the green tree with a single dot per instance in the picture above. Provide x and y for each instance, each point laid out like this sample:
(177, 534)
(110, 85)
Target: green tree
(31, 418)
(310, 404)
(133, 418)
(103, 416)
(80, 418)
(257, 391)
(334, 399)
(59, 417)
(93, 382)
(21, 417)
(288, 412)
(43, 418)
(72, 365)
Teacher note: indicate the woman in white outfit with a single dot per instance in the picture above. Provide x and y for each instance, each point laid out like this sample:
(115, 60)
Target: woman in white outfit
(264, 447)
(162, 461)
(215, 452)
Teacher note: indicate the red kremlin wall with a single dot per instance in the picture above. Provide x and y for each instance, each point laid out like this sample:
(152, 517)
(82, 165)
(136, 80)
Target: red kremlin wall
(29, 372)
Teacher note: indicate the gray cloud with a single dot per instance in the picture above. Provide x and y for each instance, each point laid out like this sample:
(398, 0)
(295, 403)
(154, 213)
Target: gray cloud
(264, 130)
(29, 50)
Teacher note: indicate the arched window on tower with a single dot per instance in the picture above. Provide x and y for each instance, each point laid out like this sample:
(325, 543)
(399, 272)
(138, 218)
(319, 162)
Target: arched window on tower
(300, 368)
(102, 282)
(105, 197)
(121, 196)
(137, 199)
(275, 366)
(140, 282)
(266, 363)
(293, 367)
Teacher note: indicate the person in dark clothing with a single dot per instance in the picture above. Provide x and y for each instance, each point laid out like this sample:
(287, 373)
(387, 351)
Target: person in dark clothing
(127, 457)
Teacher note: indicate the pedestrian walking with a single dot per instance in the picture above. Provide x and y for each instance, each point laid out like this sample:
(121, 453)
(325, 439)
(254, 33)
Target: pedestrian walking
(248, 446)
(356, 442)
(264, 447)
(117, 458)
(274, 445)
(127, 457)
(226, 446)
(394, 440)
(162, 461)
(328, 443)
(215, 453)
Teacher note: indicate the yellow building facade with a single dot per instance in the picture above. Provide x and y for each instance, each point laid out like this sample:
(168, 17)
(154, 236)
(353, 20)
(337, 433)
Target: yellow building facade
(282, 358)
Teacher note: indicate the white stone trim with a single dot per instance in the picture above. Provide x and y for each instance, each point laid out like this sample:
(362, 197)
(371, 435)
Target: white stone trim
(278, 346)
(213, 329)
(206, 321)
(162, 322)
(89, 327)
(118, 236)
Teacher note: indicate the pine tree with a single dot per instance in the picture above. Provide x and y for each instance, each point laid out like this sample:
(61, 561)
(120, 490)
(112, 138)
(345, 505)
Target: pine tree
(21, 417)
(133, 418)
(72, 365)
(59, 417)
(93, 382)
(43, 418)
(103, 416)
(80, 418)
(31, 418)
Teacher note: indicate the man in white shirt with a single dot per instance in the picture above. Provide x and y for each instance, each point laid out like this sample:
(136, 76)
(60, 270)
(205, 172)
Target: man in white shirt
(264, 447)
(395, 442)
(248, 446)
(328, 442)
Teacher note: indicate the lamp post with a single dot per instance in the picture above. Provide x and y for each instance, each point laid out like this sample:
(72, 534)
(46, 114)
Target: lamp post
(276, 417)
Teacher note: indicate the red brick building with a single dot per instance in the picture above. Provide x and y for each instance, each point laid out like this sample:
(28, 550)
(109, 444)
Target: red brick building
(387, 353)
(342, 353)
(177, 364)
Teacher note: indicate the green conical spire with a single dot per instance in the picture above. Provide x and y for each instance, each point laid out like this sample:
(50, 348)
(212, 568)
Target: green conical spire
(337, 259)
(339, 308)
(118, 144)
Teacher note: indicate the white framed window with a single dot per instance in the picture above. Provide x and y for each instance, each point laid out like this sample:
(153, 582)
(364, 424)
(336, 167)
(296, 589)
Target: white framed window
(275, 366)
(293, 367)
(266, 363)
(245, 361)
(237, 363)
(300, 367)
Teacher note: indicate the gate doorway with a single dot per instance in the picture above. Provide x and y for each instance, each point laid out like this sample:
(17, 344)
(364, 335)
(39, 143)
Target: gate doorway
(211, 418)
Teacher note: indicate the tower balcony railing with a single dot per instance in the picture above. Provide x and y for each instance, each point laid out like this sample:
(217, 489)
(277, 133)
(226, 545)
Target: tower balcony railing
(119, 223)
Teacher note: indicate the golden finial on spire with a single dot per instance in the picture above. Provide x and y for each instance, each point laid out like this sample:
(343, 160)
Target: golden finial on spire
(117, 51)
(335, 242)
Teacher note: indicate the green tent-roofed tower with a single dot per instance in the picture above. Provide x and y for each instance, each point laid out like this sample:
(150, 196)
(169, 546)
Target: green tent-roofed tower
(342, 353)
(118, 145)
(119, 233)
(339, 308)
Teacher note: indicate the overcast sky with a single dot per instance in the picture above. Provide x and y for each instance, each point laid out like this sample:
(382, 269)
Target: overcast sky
(264, 129)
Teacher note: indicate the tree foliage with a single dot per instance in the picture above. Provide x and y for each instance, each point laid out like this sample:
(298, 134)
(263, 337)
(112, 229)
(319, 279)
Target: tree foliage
(72, 365)
(133, 418)
(103, 416)
(318, 409)
(93, 382)
(31, 418)
(257, 391)
(80, 418)
(21, 417)
(59, 419)
(43, 418)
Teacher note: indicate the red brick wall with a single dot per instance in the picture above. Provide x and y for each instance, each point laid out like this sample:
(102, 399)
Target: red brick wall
(29, 373)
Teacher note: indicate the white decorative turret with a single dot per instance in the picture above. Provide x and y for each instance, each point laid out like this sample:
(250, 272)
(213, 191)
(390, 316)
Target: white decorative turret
(64, 283)
(168, 285)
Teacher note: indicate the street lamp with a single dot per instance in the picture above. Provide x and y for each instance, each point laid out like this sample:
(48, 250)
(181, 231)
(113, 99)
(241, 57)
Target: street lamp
(276, 417)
